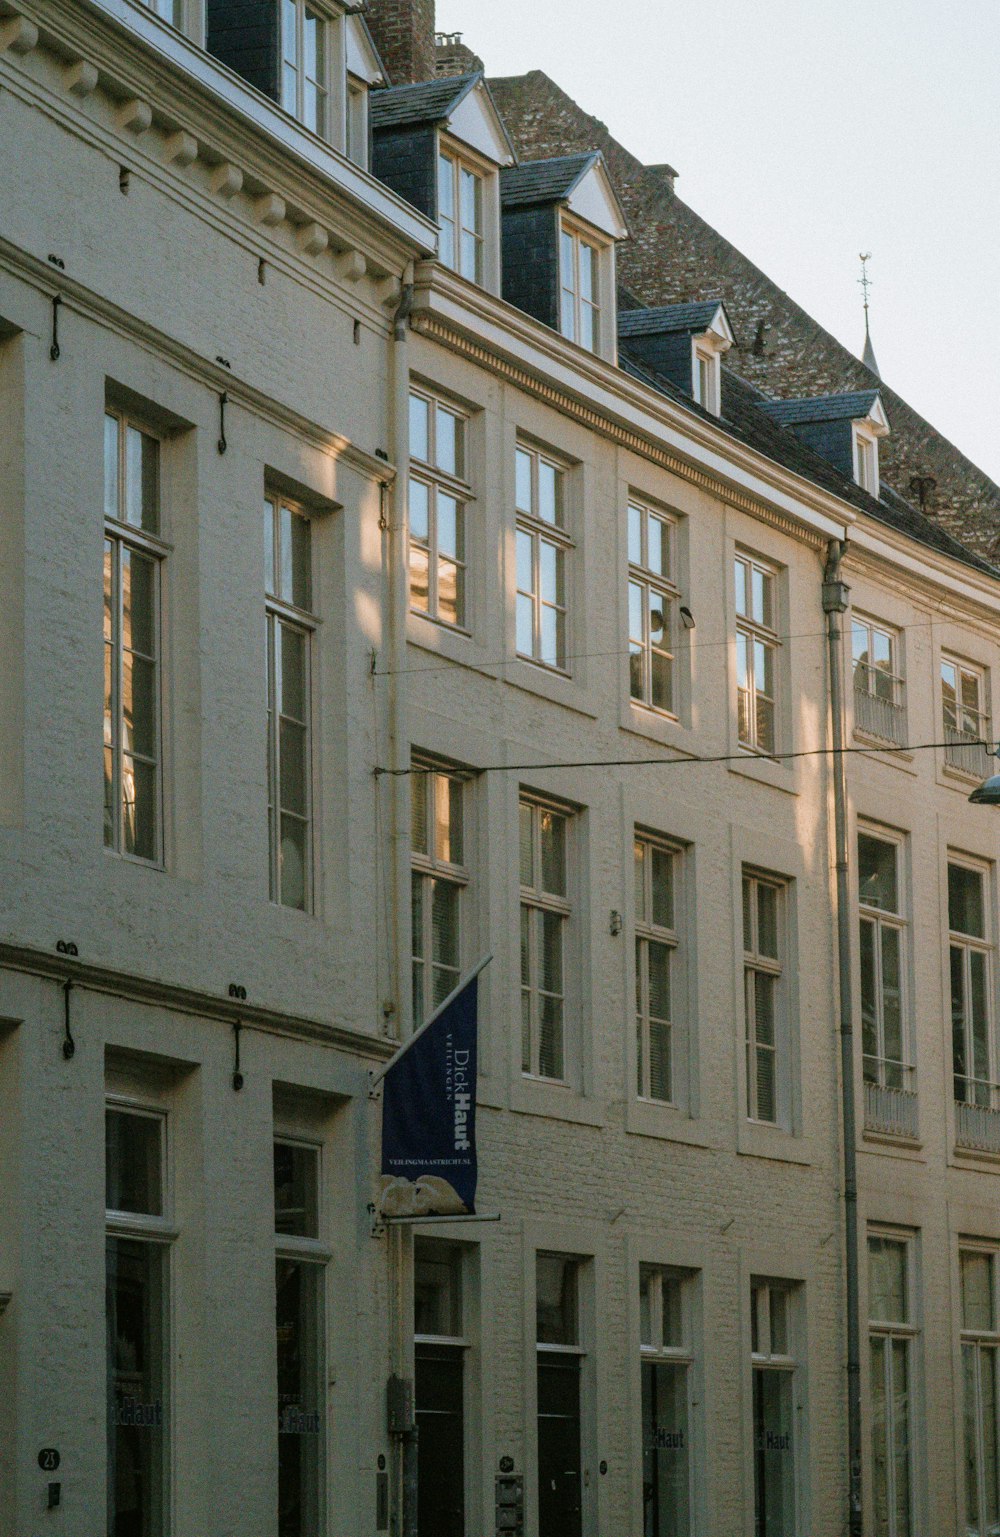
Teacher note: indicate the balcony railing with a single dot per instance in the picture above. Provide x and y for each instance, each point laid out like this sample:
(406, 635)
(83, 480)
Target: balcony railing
(874, 714)
(893, 1112)
(967, 750)
(977, 1127)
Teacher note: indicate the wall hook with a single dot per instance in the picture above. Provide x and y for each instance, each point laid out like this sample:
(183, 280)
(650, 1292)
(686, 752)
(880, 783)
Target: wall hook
(68, 1045)
(54, 349)
(222, 445)
(237, 1075)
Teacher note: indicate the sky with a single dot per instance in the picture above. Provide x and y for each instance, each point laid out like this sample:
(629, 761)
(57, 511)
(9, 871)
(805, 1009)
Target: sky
(806, 132)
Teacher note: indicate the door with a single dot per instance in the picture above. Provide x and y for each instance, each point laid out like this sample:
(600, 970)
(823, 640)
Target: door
(559, 1480)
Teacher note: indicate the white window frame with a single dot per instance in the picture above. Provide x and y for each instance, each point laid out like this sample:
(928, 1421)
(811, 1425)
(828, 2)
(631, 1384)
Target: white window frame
(541, 532)
(875, 1068)
(160, 1231)
(123, 535)
(978, 1342)
(971, 725)
(705, 377)
(969, 944)
(585, 312)
(428, 868)
(441, 482)
(664, 586)
(648, 932)
(681, 1356)
(906, 1331)
(757, 633)
(356, 122)
(757, 964)
(865, 455)
(763, 1289)
(461, 163)
(885, 717)
(328, 18)
(283, 612)
(535, 901)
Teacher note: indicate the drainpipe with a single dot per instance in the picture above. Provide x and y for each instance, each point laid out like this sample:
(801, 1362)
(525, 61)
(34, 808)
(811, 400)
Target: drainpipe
(834, 604)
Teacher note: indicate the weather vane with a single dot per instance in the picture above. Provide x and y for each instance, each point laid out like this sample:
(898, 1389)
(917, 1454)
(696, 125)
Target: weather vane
(865, 281)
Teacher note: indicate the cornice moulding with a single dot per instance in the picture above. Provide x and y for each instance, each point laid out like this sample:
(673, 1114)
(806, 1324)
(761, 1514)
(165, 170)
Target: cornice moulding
(926, 570)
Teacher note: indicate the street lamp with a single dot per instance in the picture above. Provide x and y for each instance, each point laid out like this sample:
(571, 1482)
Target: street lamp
(988, 793)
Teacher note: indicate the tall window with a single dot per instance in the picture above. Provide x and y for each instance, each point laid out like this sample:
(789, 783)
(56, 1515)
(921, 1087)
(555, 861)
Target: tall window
(440, 1347)
(460, 216)
(652, 598)
(756, 654)
(545, 912)
(891, 1336)
(137, 1293)
(133, 555)
(656, 944)
(971, 984)
(438, 493)
(878, 684)
(542, 553)
(866, 463)
(580, 310)
(560, 1358)
(305, 65)
(762, 970)
(966, 718)
(883, 935)
(773, 1361)
(290, 623)
(981, 1386)
(666, 1366)
(439, 876)
(357, 122)
(300, 1276)
(706, 379)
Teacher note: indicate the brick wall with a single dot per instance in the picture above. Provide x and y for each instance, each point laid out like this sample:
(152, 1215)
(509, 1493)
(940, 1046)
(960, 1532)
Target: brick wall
(674, 256)
(404, 35)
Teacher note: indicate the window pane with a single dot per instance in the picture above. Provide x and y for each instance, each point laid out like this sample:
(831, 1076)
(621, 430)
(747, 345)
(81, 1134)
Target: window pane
(550, 649)
(635, 520)
(419, 578)
(299, 1328)
(887, 1280)
(748, 913)
(741, 588)
(901, 1428)
(135, 1300)
(139, 804)
(659, 979)
(658, 556)
(550, 572)
(446, 446)
(645, 1306)
(436, 1289)
(551, 974)
(556, 1300)
(869, 1005)
(446, 187)
(295, 558)
(548, 492)
(138, 706)
(859, 641)
(525, 568)
(293, 862)
(523, 475)
(553, 831)
(965, 901)
(419, 511)
(296, 1189)
(977, 1291)
(892, 1015)
(142, 480)
(550, 1040)
(418, 811)
(526, 818)
(660, 1064)
(877, 873)
(449, 526)
(419, 428)
(447, 818)
(774, 1454)
(111, 491)
(133, 1155)
(767, 920)
(640, 882)
(444, 930)
(666, 1473)
(662, 884)
(567, 263)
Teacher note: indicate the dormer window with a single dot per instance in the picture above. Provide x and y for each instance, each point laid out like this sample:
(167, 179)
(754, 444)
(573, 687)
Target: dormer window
(866, 462)
(305, 65)
(843, 429)
(683, 343)
(356, 144)
(460, 216)
(580, 310)
(706, 379)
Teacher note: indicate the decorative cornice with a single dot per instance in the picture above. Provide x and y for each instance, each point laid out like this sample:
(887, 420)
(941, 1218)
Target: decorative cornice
(597, 421)
(190, 1000)
(75, 297)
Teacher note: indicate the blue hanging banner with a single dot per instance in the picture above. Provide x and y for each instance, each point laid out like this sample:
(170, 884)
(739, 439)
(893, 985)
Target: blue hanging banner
(429, 1166)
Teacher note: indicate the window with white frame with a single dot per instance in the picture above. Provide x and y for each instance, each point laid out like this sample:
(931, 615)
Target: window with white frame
(300, 1325)
(656, 953)
(866, 462)
(883, 931)
(438, 494)
(706, 378)
(290, 626)
(756, 653)
(971, 968)
(579, 284)
(137, 1290)
(667, 1366)
(891, 1337)
(460, 215)
(133, 560)
(545, 917)
(439, 879)
(171, 10)
(774, 1364)
(652, 603)
(306, 49)
(765, 1005)
(356, 143)
(980, 1344)
(560, 1357)
(878, 682)
(967, 726)
(543, 550)
(440, 1351)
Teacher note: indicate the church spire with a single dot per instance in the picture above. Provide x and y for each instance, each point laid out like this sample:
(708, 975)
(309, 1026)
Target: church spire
(868, 356)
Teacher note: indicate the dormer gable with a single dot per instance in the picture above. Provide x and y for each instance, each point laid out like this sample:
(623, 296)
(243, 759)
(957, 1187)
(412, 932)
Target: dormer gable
(561, 220)
(843, 429)
(684, 343)
(365, 70)
(440, 145)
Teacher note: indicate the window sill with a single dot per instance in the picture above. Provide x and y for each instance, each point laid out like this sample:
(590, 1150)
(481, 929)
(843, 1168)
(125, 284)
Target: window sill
(555, 1101)
(669, 1123)
(885, 752)
(892, 1145)
(754, 1139)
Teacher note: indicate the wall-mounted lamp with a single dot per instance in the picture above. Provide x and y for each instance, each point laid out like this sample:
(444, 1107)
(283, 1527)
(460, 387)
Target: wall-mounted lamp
(687, 618)
(5, 1300)
(615, 926)
(988, 793)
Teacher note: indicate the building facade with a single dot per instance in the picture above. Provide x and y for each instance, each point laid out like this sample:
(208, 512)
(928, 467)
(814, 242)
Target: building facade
(456, 604)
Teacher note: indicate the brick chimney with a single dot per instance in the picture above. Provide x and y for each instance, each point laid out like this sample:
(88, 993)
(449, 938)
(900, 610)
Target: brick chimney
(454, 57)
(404, 35)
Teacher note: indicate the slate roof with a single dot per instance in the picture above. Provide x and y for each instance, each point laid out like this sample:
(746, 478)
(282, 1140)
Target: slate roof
(822, 408)
(692, 318)
(747, 417)
(431, 101)
(543, 181)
